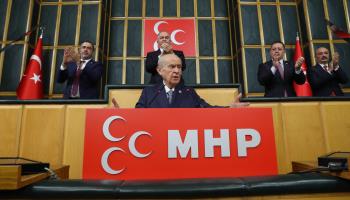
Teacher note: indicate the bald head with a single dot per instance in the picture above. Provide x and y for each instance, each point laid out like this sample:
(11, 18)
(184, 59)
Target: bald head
(170, 69)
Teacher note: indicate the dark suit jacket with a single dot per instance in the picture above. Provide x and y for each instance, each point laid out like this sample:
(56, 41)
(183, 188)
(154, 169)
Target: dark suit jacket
(274, 84)
(323, 83)
(152, 62)
(89, 82)
(184, 97)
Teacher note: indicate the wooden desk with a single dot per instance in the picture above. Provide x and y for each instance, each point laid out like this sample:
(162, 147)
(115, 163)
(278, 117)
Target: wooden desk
(309, 165)
(11, 179)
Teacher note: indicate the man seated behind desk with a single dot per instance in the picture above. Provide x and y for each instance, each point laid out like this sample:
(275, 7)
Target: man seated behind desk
(169, 93)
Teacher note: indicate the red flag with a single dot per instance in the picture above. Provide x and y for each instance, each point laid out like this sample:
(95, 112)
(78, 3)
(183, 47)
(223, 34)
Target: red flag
(304, 89)
(31, 85)
(338, 31)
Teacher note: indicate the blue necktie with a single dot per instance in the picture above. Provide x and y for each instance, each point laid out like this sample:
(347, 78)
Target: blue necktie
(170, 96)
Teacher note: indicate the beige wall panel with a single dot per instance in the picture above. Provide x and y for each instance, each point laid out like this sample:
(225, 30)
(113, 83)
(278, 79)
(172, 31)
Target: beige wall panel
(42, 133)
(126, 98)
(74, 131)
(336, 122)
(10, 126)
(218, 96)
(303, 130)
(280, 140)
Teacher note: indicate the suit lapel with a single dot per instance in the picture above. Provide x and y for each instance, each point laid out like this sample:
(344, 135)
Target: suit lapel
(88, 65)
(177, 96)
(162, 99)
(323, 71)
(158, 52)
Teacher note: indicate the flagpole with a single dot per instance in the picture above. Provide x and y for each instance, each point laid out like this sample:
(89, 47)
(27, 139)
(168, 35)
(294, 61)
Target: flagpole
(18, 39)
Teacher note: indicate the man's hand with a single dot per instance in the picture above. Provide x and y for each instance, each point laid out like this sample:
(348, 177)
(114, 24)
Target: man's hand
(70, 54)
(167, 47)
(335, 59)
(276, 62)
(236, 103)
(115, 103)
(298, 63)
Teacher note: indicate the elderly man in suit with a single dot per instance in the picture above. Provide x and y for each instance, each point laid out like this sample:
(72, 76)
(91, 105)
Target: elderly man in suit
(82, 73)
(165, 47)
(277, 75)
(169, 93)
(325, 77)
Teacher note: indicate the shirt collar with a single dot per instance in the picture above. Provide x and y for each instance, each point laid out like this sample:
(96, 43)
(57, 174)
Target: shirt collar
(167, 89)
(86, 61)
(323, 65)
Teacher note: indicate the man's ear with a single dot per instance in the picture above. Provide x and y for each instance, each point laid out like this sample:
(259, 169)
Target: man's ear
(159, 70)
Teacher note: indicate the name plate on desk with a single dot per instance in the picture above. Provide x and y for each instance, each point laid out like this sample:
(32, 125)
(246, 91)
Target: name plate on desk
(140, 144)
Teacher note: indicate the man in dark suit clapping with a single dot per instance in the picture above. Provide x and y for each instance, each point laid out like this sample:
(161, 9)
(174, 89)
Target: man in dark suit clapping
(82, 73)
(277, 75)
(165, 47)
(325, 77)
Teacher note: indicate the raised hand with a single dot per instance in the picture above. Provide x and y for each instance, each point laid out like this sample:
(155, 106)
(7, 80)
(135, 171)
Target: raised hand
(115, 103)
(335, 59)
(236, 102)
(167, 47)
(70, 54)
(299, 62)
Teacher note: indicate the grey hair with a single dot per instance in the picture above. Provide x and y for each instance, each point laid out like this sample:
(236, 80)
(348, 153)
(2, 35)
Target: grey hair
(162, 62)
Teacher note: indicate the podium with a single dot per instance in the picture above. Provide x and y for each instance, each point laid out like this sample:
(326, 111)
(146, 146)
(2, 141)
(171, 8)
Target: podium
(11, 178)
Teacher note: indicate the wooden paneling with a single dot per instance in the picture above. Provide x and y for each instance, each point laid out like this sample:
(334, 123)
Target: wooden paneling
(74, 131)
(336, 125)
(302, 126)
(218, 96)
(42, 133)
(10, 126)
(126, 98)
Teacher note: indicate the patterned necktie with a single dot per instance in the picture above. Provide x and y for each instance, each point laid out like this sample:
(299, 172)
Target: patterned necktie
(75, 85)
(170, 96)
(280, 70)
(325, 67)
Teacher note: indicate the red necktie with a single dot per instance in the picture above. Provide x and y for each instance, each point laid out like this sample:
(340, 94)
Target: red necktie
(75, 85)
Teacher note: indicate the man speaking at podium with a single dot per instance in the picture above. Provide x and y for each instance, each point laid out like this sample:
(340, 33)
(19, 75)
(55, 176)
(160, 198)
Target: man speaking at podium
(170, 93)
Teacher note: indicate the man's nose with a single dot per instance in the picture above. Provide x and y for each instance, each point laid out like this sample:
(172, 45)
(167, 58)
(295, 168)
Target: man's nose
(177, 70)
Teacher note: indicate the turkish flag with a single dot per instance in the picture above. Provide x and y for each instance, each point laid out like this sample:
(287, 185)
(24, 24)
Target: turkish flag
(31, 85)
(304, 89)
(181, 32)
